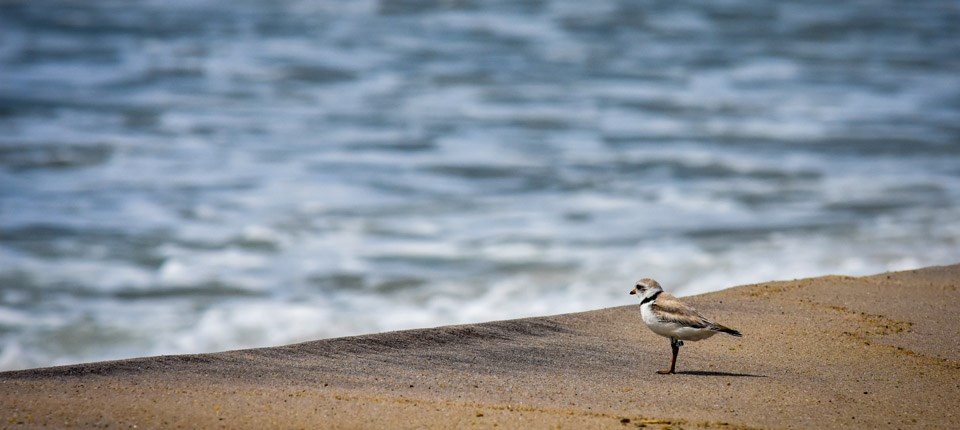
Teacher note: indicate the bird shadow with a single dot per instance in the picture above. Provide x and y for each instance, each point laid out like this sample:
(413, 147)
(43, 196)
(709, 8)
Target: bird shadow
(709, 373)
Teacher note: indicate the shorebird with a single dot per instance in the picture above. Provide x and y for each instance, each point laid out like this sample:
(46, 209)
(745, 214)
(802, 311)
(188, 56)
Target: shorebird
(667, 316)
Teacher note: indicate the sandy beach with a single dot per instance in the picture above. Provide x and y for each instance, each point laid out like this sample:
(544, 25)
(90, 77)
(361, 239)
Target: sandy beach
(835, 351)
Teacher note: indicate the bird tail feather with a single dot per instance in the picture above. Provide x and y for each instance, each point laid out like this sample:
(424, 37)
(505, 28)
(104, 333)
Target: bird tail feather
(727, 330)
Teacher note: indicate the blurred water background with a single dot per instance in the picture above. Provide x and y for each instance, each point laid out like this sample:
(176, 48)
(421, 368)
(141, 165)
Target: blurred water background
(196, 175)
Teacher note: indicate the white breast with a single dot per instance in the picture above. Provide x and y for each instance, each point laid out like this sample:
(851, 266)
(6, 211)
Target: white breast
(651, 320)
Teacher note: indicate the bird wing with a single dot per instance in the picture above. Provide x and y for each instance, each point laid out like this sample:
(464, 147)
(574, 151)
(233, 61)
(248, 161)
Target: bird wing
(668, 308)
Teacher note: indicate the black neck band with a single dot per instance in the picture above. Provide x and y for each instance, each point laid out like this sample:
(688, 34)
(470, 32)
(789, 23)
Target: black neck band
(651, 298)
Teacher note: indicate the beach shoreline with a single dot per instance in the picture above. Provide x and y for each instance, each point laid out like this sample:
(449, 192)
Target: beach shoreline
(833, 351)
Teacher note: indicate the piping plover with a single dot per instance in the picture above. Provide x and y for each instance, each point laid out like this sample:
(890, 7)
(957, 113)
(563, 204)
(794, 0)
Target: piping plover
(669, 317)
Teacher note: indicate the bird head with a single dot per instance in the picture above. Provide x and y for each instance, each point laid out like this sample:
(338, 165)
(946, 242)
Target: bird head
(644, 285)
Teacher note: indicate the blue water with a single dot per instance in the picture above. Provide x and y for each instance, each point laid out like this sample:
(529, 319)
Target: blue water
(189, 176)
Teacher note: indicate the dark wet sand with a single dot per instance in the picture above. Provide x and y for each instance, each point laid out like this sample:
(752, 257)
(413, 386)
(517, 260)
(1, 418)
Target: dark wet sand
(880, 351)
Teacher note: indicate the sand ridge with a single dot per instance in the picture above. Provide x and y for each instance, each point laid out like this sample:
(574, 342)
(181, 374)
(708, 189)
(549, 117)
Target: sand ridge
(833, 351)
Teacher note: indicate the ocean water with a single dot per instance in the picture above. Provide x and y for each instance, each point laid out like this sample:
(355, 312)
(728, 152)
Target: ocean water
(190, 176)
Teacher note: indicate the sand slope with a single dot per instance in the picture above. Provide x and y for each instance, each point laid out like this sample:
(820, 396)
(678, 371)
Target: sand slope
(878, 351)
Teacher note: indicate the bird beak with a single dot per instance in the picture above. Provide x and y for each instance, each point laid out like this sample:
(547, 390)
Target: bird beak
(633, 291)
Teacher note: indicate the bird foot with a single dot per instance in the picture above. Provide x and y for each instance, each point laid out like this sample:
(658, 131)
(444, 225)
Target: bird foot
(665, 372)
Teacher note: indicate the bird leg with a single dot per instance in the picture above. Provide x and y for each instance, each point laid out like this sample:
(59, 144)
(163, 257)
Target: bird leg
(675, 347)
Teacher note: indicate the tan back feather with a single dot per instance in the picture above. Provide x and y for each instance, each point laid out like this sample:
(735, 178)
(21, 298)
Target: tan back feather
(668, 308)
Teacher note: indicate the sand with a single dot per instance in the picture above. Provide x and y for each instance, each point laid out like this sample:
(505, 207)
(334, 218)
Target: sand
(879, 351)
